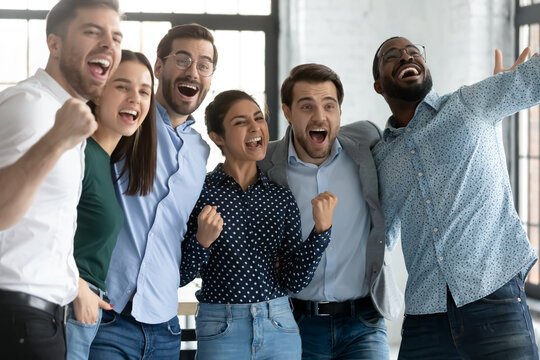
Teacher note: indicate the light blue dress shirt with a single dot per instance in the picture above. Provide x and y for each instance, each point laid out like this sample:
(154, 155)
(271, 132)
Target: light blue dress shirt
(445, 190)
(340, 275)
(147, 255)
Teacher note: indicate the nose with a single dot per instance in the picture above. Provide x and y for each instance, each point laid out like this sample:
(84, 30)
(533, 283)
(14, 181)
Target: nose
(405, 56)
(318, 113)
(134, 97)
(191, 71)
(107, 41)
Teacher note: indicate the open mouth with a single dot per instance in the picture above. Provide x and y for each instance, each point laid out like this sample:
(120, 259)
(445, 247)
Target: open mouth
(188, 90)
(407, 72)
(129, 115)
(254, 143)
(318, 135)
(99, 67)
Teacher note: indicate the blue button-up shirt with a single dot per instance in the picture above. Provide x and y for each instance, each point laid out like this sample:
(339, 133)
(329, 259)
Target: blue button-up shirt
(260, 225)
(146, 259)
(341, 274)
(445, 189)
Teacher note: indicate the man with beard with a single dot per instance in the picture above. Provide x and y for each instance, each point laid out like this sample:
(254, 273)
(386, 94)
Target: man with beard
(44, 122)
(144, 274)
(340, 313)
(445, 191)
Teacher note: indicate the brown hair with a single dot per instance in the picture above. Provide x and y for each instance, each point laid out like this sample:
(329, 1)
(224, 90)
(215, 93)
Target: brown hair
(139, 150)
(185, 31)
(64, 11)
(311, 73)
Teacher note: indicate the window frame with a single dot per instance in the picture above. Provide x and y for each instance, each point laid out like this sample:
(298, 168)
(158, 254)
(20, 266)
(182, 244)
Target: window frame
(524, 15)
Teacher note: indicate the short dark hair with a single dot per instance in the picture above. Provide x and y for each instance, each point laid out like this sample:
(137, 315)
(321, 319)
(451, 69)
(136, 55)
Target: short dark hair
(185, 31)
(139, 150)
(376, 73)
(215, 112)
(64, 11)
(311, 73)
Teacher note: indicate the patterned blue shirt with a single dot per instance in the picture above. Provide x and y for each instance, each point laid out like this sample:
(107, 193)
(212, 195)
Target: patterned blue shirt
(445, 190)
(146, 261)
(259, 226)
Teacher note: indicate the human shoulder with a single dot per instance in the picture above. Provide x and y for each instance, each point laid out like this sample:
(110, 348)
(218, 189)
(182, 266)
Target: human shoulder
(361, 131)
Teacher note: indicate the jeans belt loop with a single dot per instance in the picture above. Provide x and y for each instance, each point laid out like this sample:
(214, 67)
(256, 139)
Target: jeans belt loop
(353, 308)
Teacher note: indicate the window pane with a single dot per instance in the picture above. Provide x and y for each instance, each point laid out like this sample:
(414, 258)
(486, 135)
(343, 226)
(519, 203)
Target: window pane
(10, 4)
(255, 7)
(222, 6)
(38, 50)
(41, 4)
(13, 68)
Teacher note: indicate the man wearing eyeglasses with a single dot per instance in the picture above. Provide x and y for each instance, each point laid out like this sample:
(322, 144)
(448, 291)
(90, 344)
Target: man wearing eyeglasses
(144, 275)
(445, 191)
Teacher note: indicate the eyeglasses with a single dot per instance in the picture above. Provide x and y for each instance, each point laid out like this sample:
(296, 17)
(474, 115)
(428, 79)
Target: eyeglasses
(412, 50)
(183, 61)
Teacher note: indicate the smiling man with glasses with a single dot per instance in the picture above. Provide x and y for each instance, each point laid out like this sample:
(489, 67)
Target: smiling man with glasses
(144, 274)
(445, 192)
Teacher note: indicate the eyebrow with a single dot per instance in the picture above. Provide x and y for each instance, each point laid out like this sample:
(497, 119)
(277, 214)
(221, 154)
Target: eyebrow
(245, 117)
(100, 28)
(191, 56)
(307, 98)
(127, 81)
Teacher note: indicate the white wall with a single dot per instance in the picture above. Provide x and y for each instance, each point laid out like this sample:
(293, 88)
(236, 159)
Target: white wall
(459, 35)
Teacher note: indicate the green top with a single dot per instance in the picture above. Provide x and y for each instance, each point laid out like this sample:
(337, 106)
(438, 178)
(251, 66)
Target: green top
(99, 217)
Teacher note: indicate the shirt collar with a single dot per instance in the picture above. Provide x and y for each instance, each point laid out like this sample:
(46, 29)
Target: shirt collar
(292, 156)
(431, 99)
(219, 176)
(49, 82)
(167, 121)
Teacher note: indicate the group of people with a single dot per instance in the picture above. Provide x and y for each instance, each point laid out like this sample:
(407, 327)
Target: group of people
(107, 209)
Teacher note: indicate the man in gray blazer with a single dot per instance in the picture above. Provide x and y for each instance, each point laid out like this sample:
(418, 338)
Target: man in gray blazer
(341, 312)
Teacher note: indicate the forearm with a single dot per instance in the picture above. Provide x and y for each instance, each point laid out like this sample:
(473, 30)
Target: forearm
(21, 180)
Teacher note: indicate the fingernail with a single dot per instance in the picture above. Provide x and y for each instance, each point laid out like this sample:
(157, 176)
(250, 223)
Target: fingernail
(111, 305)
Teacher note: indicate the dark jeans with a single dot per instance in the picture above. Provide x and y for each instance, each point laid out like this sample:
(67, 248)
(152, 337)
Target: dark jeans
(27, 333)
(344, 337)
(496, 327)
(122, 337)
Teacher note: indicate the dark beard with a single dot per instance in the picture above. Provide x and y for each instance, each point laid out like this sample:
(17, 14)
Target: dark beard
(411, 94)
(180, 109)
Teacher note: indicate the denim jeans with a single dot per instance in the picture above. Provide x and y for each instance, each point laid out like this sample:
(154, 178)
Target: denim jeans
(496, 327)
(79, 336)
(344, 337)
(264, 330)
(122, 337)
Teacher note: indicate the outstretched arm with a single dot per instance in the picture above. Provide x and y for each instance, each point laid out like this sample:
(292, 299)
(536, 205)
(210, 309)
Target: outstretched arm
(21, 180)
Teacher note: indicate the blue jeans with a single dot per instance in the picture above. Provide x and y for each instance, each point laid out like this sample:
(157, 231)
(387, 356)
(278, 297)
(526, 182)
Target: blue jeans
(264, 330)
(122, 337)
(496, 327)
(344, 337)
(79, 336)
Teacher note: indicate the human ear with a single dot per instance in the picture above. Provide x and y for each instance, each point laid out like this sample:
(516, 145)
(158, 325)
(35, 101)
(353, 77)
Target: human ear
(377, 87)
(54, 43)
(216, 138)
(287, 112)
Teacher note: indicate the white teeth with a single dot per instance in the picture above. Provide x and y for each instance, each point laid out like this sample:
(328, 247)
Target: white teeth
(402, 72)
(254, 139)
(189, 86)
(103, 62)
(130, 112)
(318, 130)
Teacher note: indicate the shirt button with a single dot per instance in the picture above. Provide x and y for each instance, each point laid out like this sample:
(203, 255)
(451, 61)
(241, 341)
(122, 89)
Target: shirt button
(413, 152)
(428, 201)
(420, 174)
(408, 129)
(128, 291)
(435, 229)
(151, 234)
(441, 258)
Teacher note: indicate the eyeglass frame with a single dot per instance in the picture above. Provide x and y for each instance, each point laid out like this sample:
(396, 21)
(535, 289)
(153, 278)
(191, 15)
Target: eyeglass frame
(191, 62)
(419, 47)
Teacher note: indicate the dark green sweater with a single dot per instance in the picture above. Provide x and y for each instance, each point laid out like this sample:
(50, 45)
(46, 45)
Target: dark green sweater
(99, 217)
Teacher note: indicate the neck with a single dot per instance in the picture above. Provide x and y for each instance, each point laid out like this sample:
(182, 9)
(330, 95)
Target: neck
(244, 173)
(53, 69)
(175, 118)
(106, 139)
(403, 111)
